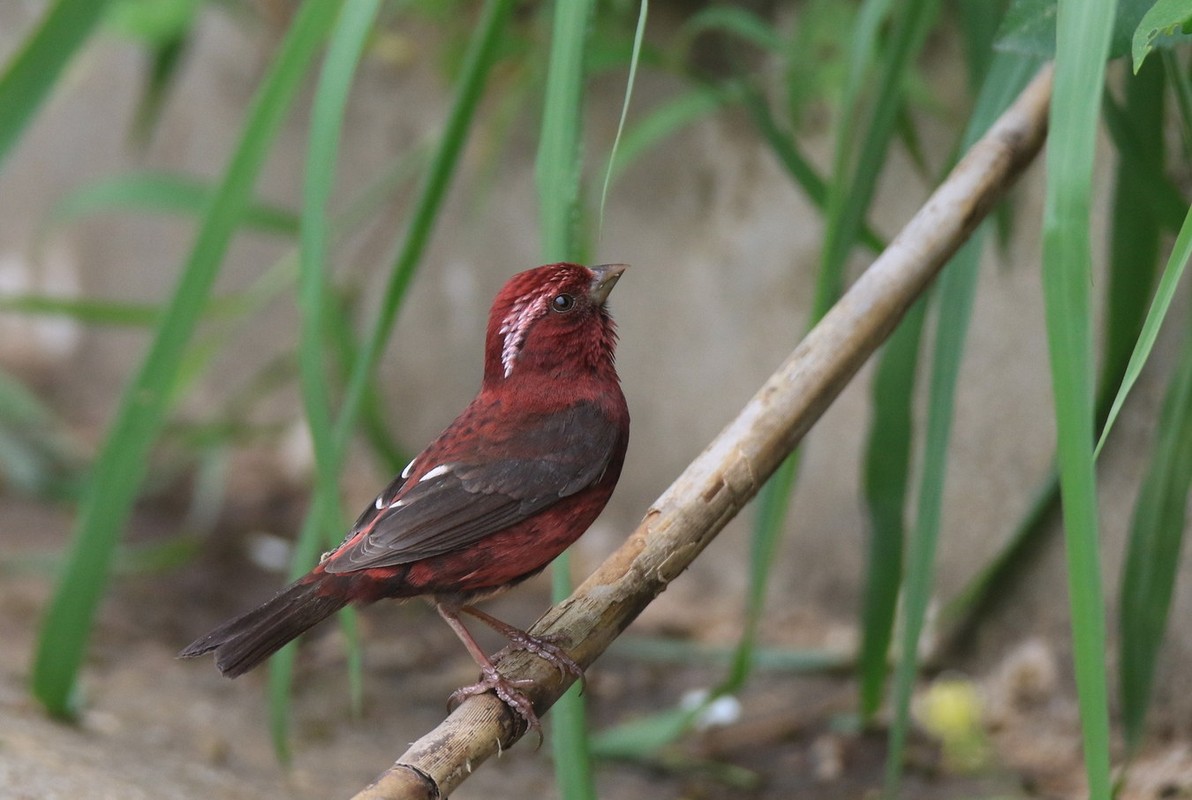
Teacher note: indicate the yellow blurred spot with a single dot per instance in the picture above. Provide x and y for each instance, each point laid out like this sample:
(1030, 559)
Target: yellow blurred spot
(951, 711)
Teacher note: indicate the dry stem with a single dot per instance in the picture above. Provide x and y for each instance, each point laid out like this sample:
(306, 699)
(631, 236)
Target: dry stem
(736, 464)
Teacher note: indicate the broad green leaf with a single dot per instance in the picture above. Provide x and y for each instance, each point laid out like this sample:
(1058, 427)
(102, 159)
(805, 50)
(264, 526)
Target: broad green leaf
(1166, 24)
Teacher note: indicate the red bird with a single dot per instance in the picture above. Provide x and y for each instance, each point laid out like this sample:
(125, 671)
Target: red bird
(507, 487)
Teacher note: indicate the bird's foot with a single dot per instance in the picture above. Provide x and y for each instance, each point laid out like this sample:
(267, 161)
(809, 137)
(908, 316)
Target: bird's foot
(507, 690)
(548, 647)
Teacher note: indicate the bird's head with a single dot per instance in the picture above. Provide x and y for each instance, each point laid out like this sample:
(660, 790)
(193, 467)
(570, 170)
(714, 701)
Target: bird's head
(552, 321)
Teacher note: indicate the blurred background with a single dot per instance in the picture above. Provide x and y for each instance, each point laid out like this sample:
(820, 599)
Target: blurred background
(769, 150)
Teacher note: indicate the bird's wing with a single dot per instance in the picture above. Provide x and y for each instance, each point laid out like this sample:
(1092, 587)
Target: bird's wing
(511, 475)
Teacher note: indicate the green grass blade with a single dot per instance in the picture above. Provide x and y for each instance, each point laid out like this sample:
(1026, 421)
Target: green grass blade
(638, 35)
(156, 192)
(1153, 551)
(478, 61)
(739, 22)
(37, 455)
(887, 475)
(852, 189)
(92, 312)
(166, 60)
(767, 531)
(1133, 240)
(557, 173)
(797, 165)
(123, 458)
(1008, 74)
(1168, 283)
(1181, 85)
(33, 71)
(1136, 131)
(657, 126)
(558, 166)
(1136, 229)
(1082, 43)
(326, 513)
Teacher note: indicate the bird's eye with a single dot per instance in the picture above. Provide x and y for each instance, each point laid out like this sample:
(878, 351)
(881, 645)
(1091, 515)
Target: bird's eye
(562, 303)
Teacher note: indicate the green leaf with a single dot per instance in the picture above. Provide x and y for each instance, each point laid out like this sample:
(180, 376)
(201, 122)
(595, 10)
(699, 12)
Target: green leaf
(1083, 37)
(638, 36)
(887, 474)
(33, 71)
(1029, 27)
(1167, 24)
(1153, 550)
(152, 21)
(123, 458)
(1164, 294)
(156, 192)
(36, 453)
(557, 174)
(476, 65)
(344, 50)
(734, 21)
(644, 735)
(659, 124)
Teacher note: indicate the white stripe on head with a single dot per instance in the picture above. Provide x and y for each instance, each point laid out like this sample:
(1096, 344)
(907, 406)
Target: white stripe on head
(516, 324)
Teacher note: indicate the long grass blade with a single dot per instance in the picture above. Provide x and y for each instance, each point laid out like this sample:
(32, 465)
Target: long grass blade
(1082, 43)
(123, 459)
(638, 36)
(557, 173)
(658, 125)
(1160, 305)
(1153, 551)
(155, 192)
(335, 81)
(479, 58)
(797, 165)
(1008, 74)
(1136, 228)
(37, 455)
(1140, 208)
(31, 74)
(887, 476)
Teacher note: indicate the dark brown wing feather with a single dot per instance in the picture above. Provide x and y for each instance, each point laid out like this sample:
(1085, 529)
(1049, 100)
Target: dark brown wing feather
(554, 457)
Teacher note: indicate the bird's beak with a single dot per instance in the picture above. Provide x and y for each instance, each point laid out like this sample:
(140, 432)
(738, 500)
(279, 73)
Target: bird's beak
(604, 278)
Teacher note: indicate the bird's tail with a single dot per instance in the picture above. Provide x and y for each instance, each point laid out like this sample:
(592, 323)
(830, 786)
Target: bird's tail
(244, 642)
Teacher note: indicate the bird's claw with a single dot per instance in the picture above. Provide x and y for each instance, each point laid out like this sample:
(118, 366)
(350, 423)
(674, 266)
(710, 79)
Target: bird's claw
(549, 648)
(506, 689)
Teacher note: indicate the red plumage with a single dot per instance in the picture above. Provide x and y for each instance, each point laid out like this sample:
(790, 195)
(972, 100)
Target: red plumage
(502, 491)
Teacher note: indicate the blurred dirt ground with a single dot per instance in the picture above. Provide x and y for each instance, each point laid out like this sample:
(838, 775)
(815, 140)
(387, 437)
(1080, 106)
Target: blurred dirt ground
(155, 727)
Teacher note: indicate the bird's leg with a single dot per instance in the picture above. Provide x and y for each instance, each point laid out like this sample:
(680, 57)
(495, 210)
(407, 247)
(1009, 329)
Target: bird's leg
(545, 647)
(504, 688)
